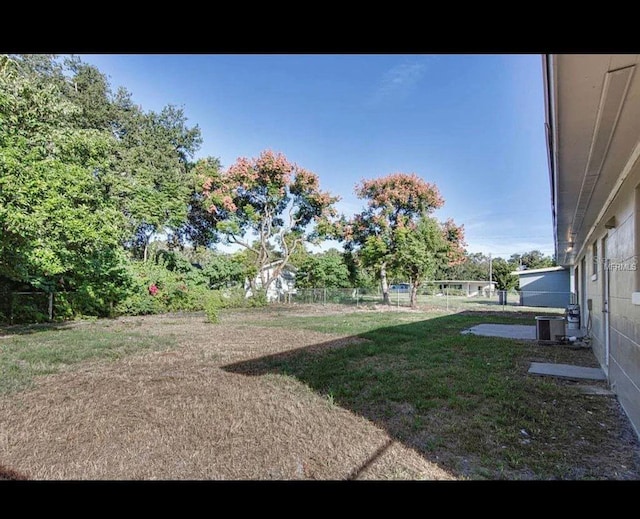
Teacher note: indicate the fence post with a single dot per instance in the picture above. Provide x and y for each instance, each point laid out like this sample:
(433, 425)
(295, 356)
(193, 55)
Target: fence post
(324, 296)
(50, 306)
(11, 307)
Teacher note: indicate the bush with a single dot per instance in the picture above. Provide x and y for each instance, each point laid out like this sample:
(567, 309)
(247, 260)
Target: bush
(30, 308)
(257, 300)
(139, 304)
(211, 307)
(231, 298)
(156, 289)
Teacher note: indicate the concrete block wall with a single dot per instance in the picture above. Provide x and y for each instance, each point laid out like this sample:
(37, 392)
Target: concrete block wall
(622, 245)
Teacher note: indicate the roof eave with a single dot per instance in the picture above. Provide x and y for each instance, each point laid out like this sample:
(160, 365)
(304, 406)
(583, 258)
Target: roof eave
(551, 141)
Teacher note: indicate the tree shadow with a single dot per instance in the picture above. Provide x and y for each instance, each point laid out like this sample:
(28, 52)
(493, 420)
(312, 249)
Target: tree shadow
(427, 385)
(27, 329)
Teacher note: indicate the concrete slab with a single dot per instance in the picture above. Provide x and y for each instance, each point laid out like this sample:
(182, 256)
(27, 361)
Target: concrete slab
(566, 371)
(595, 390)
(509, 331)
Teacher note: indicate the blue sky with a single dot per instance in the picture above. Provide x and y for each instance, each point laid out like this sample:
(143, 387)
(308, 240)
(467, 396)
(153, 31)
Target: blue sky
(471, 124)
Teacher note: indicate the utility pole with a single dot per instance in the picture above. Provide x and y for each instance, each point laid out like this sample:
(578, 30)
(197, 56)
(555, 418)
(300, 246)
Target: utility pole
(490, 276)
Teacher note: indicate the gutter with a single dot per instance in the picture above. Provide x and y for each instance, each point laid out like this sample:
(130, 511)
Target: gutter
(549, 99)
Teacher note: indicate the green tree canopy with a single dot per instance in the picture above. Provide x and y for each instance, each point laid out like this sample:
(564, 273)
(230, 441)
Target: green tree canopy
(151, 175)
(474, 266)
(57, 227)
(423, 246)
(502, 274)
(323, 270)
(532, 260)
(225, 270)
(393, 202)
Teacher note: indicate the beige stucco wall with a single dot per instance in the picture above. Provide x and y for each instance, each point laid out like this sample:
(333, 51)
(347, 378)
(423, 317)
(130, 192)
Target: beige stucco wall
(623, 362)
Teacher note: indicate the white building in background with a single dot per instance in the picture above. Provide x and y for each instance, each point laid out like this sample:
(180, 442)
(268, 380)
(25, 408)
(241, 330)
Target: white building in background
(469, 288)
(283, 285)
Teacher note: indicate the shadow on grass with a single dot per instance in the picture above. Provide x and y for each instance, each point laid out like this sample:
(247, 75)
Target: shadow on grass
(27, 329)
(458, 400)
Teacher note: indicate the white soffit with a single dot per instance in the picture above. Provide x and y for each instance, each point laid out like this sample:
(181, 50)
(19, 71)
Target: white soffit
(594, 117)
(614, 92)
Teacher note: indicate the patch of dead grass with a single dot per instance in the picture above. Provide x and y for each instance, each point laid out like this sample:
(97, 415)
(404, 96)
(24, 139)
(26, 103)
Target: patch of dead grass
(177, 415)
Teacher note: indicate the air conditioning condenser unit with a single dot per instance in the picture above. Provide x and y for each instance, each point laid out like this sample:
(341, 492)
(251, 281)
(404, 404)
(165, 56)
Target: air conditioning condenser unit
(550, 329)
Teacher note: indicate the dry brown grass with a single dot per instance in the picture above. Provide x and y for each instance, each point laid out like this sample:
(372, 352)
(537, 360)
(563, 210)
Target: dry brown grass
(192, 412)
(177, 415)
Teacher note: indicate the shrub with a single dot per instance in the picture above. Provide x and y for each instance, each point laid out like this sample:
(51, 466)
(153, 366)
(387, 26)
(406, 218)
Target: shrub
(30, 308)
(212, 313)
(257, 300)
(212, 306)
(155, 289)
(139, 304)
(231, 297)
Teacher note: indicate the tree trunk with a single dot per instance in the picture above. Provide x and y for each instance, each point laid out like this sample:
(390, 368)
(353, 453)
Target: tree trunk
(250, 286)
(147, 241)
(384, 284)
(414, 294)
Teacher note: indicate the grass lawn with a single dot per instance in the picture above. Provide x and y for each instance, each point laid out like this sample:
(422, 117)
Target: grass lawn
(301, 392)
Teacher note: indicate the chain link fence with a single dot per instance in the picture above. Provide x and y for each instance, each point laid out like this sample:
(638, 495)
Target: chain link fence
(29, 307)
(449, 300)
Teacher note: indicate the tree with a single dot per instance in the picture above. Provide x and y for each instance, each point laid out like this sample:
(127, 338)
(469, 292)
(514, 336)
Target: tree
(299, 255)
(89, 90)
(199, 228)
(147, 174)
(531, 260)
(423, 246)
(151, 176)
(272, 201)
(225, 270)
(323, 270)
(359, 275)
(393, 202)
(57, 229)
(502, 274)
(474, 266)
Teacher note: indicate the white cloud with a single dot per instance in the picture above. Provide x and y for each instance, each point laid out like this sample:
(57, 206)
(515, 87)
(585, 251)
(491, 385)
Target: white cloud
(399, 81)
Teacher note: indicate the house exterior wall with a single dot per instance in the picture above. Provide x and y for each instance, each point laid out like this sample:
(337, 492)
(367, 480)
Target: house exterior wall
(548, 289)
(470, 288)
(283, 284)
(617, 260)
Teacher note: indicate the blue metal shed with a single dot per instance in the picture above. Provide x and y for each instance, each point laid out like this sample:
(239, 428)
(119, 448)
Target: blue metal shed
(548, 287)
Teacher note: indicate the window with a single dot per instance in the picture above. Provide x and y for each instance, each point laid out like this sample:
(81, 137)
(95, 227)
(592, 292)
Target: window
(594, 261)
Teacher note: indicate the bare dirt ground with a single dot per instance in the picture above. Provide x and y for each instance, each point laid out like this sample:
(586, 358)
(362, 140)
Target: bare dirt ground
(178, 415)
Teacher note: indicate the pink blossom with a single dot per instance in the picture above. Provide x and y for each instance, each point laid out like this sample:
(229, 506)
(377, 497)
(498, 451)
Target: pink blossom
(228, 204)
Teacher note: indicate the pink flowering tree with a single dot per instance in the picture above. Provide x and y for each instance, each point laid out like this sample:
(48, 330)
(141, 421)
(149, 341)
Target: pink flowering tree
(394, 202)
(270, 207)
(423, 246)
